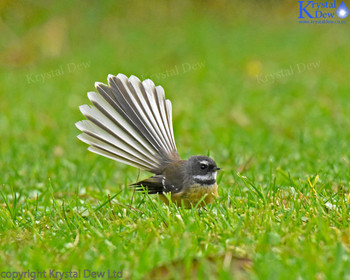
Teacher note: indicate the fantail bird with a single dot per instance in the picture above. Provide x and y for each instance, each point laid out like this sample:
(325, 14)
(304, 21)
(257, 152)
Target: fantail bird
(131, 122)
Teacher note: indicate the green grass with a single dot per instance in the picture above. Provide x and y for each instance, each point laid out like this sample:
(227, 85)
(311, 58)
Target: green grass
(283, 144)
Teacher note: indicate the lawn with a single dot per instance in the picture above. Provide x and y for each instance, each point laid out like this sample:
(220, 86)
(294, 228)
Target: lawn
(265, 96)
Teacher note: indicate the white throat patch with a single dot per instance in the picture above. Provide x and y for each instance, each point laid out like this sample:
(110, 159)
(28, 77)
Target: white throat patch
(206, 177)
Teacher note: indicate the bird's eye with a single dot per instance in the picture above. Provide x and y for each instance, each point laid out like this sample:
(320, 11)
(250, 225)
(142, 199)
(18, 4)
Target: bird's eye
(203, 166)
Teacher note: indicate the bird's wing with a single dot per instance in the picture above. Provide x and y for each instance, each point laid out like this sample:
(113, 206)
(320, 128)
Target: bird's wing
(130, 122)
(156, 184)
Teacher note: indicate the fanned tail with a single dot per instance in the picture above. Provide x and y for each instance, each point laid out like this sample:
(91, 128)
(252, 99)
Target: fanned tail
(130, 122)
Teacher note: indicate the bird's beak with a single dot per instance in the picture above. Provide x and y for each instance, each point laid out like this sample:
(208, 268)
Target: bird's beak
(217, 168)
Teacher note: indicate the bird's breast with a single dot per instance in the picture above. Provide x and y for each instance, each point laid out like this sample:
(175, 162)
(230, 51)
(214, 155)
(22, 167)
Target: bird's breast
(191, 195)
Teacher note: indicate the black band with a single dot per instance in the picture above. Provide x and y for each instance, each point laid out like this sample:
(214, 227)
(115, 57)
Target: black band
(205, 182)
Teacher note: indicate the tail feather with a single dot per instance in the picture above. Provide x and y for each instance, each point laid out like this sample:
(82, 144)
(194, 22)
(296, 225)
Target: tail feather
(115, 157)
(169, 109)
(110, 96)
(130, 123)
(108, 150)
(150, 109)
(118, 122)
(154, 115)
(156, 100)
(97, 136)
(134, 112)
(163, 111)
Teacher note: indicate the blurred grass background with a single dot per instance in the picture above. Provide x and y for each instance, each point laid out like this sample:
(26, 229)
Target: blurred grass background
(236, 75)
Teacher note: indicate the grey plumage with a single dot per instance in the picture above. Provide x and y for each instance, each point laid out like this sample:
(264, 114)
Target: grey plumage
(130, 122)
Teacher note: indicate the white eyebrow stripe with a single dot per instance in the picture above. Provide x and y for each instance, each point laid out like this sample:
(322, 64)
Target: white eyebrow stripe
(204, 162)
